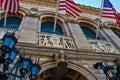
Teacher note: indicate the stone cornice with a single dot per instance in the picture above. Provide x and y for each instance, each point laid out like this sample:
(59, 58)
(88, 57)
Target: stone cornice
(39, 51)
(71, 54)
(49, 4)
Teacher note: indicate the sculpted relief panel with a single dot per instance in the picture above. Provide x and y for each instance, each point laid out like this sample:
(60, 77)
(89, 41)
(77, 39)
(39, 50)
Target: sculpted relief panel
(103, 46)
(55, 41)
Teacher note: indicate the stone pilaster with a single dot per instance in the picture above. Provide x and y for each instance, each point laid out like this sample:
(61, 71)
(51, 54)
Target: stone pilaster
(30, 23)
(79, 37)
(113, 37)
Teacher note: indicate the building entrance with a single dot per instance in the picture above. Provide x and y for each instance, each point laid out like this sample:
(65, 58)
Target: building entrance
(61, 72)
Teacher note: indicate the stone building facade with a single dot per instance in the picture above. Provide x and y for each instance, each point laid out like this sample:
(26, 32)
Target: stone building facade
(69, 56)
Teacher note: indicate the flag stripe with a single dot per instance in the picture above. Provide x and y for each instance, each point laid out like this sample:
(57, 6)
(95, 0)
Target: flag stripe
(118, 20)
(70, 7)
(69, 12)
(62, 5)
(17, 6)
(10, 5)
(72, 11)
(0, 4)
(109, 17)
(3, 4)
(73, 5)
(108, 10)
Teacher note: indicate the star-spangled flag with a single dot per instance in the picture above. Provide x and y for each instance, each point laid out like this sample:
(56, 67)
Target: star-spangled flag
(70, 7)
(10, 5)
(108, 10)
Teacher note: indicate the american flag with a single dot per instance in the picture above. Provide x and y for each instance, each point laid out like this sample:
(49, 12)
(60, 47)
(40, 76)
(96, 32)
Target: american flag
(10, 5)
(118, 20)
(62, 5)
(70, 7)
(0, 3)
(108, 10)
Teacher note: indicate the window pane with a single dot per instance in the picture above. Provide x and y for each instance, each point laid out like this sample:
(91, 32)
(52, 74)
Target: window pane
(12, 22)
(48, 27)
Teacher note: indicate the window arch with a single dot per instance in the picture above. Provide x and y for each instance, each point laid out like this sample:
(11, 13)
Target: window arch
(89, 31)
(72, 69)
(13, 21)
(47, 26)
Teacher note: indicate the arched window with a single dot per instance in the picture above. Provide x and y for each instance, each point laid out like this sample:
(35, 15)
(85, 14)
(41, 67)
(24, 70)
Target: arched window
(47, 26)
(12, 22)
(89, 33)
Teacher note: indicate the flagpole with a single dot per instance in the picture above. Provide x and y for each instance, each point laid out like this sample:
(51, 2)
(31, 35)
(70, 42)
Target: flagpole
(99, 20)
(5, 19)
(56, 16)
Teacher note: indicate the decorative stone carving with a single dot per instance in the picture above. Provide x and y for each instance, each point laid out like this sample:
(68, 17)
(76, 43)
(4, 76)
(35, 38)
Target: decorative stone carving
(34, 9)
(55, 41)
(103, 46)
(60, 58)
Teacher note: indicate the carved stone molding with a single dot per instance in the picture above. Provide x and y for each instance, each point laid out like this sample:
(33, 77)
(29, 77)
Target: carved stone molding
(80, 69)
(60, 58)
(103, 46)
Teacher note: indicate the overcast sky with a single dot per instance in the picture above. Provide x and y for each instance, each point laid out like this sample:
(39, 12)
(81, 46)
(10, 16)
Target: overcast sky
(97, 3)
